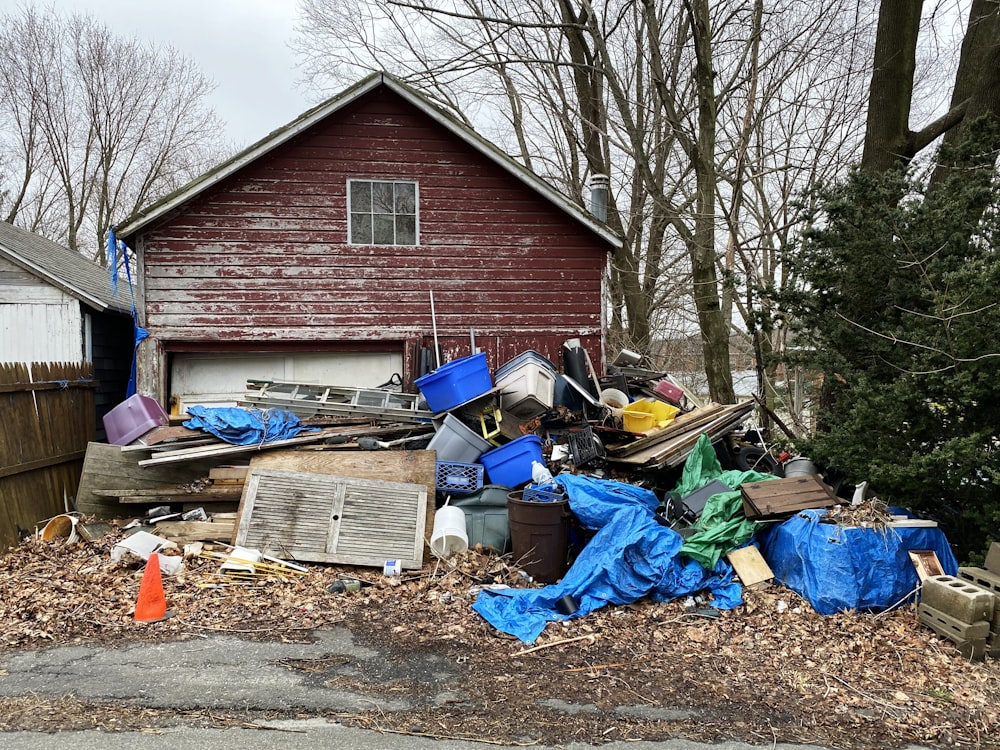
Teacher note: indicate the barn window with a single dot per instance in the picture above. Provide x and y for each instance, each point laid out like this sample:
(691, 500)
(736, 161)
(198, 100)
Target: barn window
(382, 212)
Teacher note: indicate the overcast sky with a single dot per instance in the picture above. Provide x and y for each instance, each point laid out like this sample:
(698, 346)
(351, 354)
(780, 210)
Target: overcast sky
(242, 45)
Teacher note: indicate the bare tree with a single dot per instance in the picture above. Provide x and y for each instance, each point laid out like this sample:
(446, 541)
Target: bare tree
(889, 140)
(652, 94)
(95, 126)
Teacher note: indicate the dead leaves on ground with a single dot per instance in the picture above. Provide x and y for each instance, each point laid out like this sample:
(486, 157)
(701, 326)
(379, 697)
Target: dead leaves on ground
(770, 670)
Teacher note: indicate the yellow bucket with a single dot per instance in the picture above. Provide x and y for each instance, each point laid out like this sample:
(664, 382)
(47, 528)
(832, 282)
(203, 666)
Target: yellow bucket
(647, 414)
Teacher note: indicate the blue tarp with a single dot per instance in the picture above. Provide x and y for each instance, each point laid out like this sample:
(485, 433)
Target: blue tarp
(630, 556)
(246, 426)
(837, 568)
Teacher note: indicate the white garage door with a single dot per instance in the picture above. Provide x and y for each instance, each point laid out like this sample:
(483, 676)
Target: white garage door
(220, 379)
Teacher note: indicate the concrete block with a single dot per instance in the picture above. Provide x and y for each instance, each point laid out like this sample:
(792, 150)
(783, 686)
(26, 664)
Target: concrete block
(982, 578)
(972, 575)
(961, 599)
(993, 558)
(947, 626)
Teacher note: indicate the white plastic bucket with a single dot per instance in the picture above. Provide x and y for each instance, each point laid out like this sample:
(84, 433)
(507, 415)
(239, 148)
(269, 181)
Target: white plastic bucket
(449, 537)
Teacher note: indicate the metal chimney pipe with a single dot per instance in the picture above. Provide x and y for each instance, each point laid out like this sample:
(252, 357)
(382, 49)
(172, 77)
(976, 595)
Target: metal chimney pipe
(599, 196)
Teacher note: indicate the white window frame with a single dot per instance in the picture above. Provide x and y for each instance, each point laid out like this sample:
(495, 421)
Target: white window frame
(416, 213)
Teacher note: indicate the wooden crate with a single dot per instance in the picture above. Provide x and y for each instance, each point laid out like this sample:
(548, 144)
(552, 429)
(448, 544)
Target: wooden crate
(781, 497)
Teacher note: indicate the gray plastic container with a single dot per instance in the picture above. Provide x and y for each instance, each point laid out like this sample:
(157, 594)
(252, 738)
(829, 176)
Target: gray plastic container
(486, 520)
(457, 443)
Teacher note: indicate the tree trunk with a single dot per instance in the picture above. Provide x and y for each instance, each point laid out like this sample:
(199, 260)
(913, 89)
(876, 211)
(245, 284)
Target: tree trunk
(977, 81)
(705, 281)
(887, 135)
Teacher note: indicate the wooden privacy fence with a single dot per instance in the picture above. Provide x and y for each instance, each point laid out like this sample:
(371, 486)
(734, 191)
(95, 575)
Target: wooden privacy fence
(47, 418)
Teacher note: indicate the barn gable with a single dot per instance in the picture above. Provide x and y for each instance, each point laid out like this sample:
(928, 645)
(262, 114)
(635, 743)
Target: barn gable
(270, 261)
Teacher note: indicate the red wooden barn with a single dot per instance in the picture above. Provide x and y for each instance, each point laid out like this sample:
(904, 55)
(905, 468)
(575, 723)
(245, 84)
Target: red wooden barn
(332, 250)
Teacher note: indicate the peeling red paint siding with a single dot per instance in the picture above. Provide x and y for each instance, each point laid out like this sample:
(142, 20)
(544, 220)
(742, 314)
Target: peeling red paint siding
(263, 256)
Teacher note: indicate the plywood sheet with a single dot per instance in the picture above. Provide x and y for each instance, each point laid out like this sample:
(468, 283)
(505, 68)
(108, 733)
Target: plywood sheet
(750, 566)
(107, 467)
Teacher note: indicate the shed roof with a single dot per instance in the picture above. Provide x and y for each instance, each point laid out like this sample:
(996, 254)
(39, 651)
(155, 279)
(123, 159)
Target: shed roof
(309, 118)
(61, 267)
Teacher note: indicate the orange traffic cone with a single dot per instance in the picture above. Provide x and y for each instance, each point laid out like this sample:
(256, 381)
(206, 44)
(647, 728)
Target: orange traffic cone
(151, 605)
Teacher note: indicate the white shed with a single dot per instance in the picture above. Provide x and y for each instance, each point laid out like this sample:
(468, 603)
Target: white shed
(57, 306)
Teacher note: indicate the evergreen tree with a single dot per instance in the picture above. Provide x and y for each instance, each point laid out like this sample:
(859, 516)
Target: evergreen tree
(900, 314)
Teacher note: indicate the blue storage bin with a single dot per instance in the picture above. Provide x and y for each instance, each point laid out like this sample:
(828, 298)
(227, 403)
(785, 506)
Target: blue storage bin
(510, 464)
(455, 383)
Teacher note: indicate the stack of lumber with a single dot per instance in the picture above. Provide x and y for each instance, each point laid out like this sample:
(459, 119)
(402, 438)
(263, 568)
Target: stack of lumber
(672, 445)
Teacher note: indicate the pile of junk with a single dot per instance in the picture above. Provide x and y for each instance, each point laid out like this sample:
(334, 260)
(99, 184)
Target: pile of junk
(612, 487)
(603, 488)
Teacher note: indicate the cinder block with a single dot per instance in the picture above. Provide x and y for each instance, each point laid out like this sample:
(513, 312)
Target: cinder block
(961, 599)
(982, 578)
(993, 558)
(947, 626)
(975, 576)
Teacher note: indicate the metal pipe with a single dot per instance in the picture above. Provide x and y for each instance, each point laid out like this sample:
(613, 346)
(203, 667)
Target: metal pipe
(437, 351)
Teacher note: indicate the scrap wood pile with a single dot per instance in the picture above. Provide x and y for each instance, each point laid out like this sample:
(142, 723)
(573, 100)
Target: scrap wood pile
(773, 662)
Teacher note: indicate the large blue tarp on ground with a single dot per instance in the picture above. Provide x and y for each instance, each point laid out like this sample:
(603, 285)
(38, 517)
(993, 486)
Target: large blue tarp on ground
(240, 426)
(630, 556)
(837, 568)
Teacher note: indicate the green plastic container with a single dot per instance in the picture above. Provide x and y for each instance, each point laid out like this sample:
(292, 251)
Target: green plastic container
(486, 521)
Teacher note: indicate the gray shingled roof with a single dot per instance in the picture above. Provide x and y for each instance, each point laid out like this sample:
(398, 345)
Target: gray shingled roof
(62, 268)
(169, 203)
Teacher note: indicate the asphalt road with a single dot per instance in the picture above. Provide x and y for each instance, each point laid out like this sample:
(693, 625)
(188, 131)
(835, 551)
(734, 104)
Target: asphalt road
(306, 735)
(234, 676)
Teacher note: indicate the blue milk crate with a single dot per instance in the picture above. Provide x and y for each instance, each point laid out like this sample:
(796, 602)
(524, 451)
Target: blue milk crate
(546, 494)
(455, 478)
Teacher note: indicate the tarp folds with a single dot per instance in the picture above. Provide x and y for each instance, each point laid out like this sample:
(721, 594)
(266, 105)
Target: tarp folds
(240, 426)
(630, 556)
(837, 568)
(723, 525)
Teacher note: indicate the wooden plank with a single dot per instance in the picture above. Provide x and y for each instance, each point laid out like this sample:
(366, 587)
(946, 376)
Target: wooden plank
(226, 473)
(683, 423)
(108, 466)
(225, 449)
(750, 566)
(196, 531)
(674, 451)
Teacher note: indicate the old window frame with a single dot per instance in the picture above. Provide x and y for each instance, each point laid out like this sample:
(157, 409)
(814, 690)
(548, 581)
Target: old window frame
(378, 219)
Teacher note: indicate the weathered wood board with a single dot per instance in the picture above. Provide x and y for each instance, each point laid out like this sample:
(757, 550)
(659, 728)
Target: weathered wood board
(196, 531)
(107, 466)
(785, 496)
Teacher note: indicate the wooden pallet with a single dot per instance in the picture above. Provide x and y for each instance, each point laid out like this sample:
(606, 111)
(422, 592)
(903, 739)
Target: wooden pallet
(782, 497)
